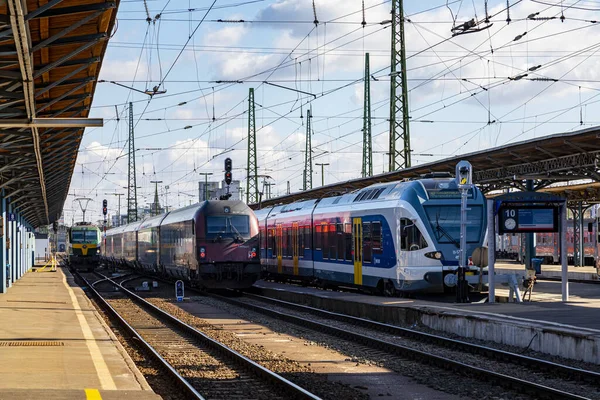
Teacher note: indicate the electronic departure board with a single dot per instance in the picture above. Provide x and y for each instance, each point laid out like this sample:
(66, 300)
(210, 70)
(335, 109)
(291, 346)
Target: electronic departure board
(513, 219)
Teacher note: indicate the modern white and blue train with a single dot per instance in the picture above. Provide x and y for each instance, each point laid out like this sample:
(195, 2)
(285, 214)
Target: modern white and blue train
(387, 238)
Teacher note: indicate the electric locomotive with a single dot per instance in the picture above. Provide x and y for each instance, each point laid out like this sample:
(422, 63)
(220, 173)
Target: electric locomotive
(386, 238)
(212, 244)
(84, 246)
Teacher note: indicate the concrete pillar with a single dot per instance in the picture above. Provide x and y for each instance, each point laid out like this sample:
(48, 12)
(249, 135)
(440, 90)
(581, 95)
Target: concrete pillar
(3, 252)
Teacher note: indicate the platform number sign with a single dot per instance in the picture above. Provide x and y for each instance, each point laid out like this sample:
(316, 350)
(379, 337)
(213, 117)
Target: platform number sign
(179, 289)
(520, 219)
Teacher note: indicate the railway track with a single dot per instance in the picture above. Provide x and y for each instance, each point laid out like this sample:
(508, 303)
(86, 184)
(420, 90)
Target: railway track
(200, 365)
(440, 351)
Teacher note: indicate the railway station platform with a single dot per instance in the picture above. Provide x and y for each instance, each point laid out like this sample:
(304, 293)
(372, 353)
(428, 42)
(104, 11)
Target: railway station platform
(55, 345)
(550, 271)
(570, 330)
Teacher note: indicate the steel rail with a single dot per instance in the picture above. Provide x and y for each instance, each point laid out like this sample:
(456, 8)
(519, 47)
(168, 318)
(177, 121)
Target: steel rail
(493, 353)
(418, 355)
(180, 380)
(290, 388)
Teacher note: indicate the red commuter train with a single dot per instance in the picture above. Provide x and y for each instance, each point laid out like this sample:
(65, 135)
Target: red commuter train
(212, 244)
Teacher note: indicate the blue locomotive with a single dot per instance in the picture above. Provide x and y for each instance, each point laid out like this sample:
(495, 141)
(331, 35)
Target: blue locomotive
(387, 238)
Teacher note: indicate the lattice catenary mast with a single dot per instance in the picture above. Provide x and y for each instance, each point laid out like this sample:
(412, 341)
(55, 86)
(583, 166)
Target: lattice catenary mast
(131, 185)
(399, 119)
(308, 171)
(252, 176)
(367, 161)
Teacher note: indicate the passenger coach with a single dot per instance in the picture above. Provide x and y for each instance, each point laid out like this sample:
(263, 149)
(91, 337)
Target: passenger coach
(213, 244)
(392, 237)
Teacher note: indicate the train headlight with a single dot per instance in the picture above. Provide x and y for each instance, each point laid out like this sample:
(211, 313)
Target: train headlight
(202, 252)
(436, 255)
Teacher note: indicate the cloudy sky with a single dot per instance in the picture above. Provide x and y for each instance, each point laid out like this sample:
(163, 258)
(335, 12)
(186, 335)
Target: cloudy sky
(509, 81)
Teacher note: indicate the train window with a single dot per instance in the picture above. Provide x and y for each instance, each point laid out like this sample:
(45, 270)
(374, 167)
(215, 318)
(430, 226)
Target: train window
(318, 237)
(307, 236)
(340, 241)
(300, 235)
(273, 241)
(367, 245)
(412, 238)
(263, 238)
(348, 241)
(376, 236)
(332, 242)
(325, 241)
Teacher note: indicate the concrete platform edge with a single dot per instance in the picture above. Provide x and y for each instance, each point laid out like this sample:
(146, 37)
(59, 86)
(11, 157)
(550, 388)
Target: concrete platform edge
(136, 372)
(545, 337)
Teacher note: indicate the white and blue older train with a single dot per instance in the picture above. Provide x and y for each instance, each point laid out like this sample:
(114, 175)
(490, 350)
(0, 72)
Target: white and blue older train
(387, 238)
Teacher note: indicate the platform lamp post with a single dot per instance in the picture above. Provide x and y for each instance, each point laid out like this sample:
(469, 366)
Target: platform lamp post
(166, 198)
(83, 203)
(206, 174)
(322, 172)
(464, 181)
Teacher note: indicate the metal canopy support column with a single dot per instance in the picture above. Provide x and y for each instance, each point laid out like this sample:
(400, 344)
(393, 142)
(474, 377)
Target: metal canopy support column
(577, 234)
(10, 244)
(563, 254)
(491, 221)
(3, 253)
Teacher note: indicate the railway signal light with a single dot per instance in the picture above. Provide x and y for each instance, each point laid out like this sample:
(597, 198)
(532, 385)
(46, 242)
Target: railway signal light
(228, 174)
(104, 207)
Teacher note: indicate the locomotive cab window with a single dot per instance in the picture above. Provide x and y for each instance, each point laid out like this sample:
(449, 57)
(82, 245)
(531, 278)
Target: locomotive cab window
(411, 237)
(228, 225)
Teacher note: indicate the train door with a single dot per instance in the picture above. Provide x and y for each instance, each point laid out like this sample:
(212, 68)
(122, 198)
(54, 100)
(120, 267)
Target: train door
(357, 253)
(295, 247)
(279, 238)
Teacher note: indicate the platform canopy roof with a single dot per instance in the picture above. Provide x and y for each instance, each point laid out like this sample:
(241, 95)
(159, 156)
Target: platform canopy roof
(555, 158)
(50, 57)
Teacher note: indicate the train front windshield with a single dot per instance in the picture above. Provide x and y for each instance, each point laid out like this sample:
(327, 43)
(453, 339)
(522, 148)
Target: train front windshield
(445, 223)
(228, 225)
(78, 236)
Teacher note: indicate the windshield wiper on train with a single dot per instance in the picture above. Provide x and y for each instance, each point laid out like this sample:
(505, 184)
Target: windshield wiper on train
(445, 233)
(235, 229)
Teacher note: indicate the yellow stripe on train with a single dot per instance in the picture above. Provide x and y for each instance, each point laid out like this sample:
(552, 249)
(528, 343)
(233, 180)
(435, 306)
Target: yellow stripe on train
(84, 247)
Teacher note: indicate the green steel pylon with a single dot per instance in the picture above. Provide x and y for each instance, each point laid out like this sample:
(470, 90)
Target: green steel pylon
(252, 177)
(367, 161)
(131, 182)
(399, 123)
(308, 171)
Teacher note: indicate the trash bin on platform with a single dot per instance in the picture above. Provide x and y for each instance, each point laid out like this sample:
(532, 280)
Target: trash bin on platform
(536, 263)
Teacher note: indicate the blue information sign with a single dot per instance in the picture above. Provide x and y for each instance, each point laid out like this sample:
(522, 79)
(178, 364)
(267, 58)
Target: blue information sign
(179, 290)
(12, 217)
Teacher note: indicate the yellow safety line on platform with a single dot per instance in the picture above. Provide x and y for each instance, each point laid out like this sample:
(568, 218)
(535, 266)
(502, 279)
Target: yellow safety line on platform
(92, 394)
(106, 380)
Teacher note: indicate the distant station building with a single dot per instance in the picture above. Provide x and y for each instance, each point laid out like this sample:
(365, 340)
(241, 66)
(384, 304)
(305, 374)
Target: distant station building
(214, 190)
